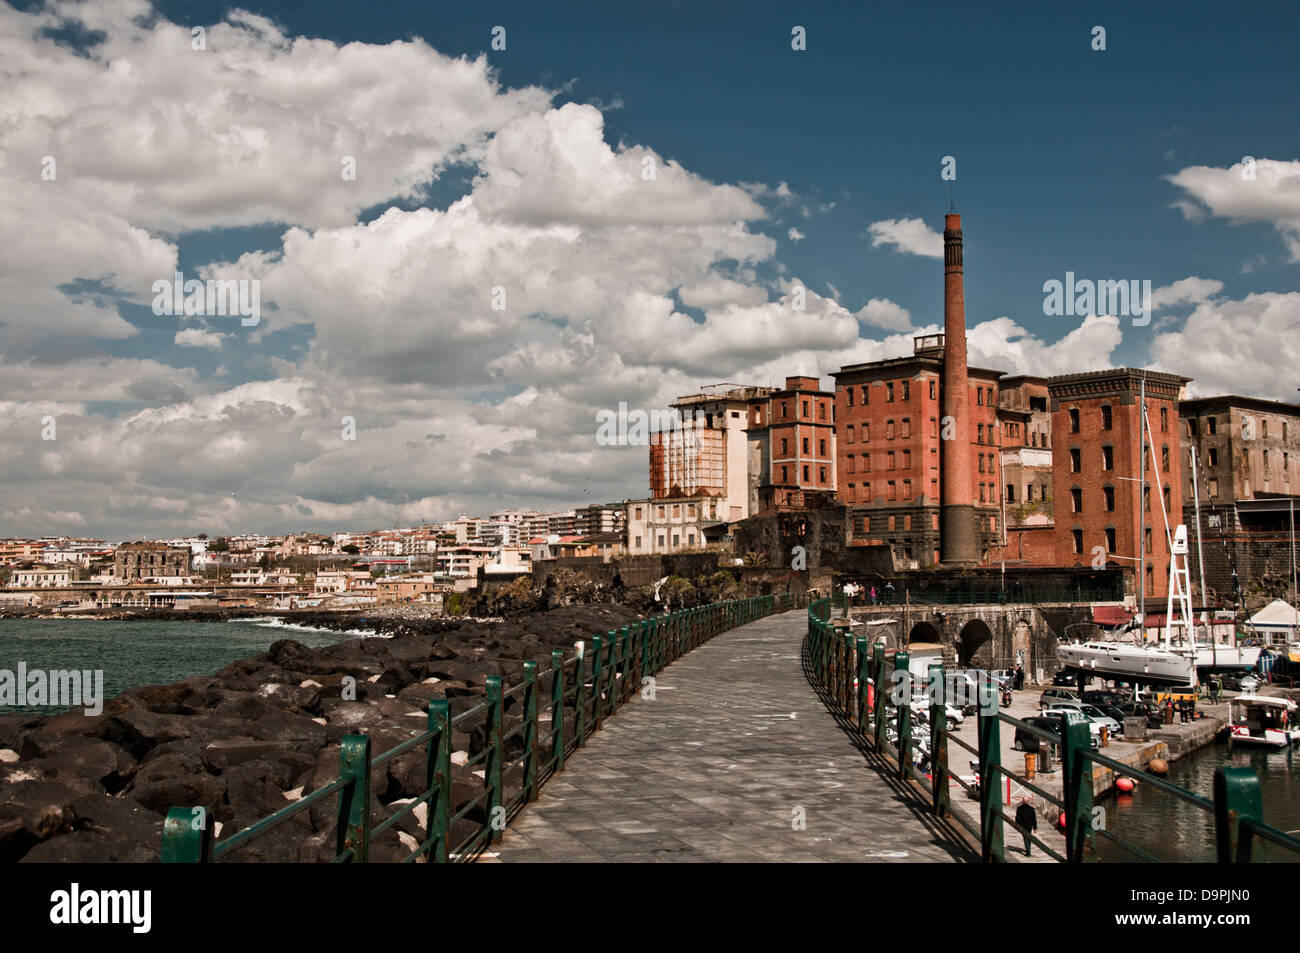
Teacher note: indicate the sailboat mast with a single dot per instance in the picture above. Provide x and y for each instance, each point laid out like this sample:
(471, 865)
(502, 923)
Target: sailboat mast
(1200, 554)
(1142, 492)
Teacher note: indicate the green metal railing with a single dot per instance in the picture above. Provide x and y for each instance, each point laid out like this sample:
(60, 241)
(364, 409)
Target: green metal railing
(583, 690)
(851, 673)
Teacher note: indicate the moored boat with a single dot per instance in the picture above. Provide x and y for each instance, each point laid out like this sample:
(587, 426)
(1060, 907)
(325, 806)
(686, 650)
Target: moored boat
(1262, 720)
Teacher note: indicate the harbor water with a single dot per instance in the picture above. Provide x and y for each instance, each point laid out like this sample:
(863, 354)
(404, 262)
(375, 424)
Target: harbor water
(141, 653)
(1171, 829)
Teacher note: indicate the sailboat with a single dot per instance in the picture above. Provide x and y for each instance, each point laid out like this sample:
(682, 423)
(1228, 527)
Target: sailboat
(1136, 661)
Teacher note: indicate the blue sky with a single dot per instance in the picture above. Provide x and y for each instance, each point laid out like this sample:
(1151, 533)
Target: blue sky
(482, 167)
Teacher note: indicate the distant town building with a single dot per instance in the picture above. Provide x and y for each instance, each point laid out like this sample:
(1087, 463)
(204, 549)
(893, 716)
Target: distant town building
(673, 524)
(791, 445)
(136, 562)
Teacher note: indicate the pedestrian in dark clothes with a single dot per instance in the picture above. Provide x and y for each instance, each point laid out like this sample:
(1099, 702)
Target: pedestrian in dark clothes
(1027, 819)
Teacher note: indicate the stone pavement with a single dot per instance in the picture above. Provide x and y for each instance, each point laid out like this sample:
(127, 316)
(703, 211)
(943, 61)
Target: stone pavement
(735, 747)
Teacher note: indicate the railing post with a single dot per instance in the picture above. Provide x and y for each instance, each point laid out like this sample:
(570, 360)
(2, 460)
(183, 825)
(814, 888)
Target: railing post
(938, 742)
(903, 681)
(354, 799)
(187, 836)
(597, 674)
(439, 778)
(878, 670)
(492, 765)
(1076, 779)
(1236, 796)
(580, 695)
(646, 670)
(990, 759)
(625, 664)
(862, 686)
(557, 710)
(531, 746)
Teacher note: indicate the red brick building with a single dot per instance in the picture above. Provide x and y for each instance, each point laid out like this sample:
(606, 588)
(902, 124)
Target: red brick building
(1096, 440)
(890, 451)
(791, 437)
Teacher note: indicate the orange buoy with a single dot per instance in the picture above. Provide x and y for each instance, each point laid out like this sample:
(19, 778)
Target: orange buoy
(1158, 766)
(1060, 821)
(1125, 785)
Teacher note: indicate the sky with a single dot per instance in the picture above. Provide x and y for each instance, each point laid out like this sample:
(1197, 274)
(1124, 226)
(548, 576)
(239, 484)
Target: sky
(464, 253)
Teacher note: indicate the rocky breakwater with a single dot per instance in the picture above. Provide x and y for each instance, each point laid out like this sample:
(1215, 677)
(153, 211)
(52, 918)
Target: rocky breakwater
(265, 731)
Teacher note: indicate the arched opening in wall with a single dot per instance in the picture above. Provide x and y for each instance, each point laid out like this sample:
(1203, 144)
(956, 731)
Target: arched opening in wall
(925, 632)
(975, 635)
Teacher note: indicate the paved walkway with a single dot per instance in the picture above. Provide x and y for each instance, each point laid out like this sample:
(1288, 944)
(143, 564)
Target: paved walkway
(733, 750)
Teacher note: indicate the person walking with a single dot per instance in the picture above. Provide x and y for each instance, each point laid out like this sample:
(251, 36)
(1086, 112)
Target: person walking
(873, 595)
(1216, 686)
(1018, 680)
(1027, 821)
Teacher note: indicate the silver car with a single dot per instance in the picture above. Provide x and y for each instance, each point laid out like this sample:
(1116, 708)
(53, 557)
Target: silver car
(1091, 712)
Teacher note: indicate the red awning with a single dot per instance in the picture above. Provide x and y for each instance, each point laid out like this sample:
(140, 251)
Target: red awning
(1111, 615)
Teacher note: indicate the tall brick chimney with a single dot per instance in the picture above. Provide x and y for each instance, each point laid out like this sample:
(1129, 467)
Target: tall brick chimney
(958, 542)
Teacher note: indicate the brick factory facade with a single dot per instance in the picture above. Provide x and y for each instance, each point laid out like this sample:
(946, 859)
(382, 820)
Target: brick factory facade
(1096, 438)
(791, 437)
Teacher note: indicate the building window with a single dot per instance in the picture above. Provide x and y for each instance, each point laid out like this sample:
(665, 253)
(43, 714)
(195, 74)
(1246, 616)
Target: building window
(850, 464)
(889, 392)
(892, 524)
(1214, 457)
(1148, 539)
(638, 513)
(981, 463)
(989, 398)
(979, 396)
(1077, 535)
(1164, 459)
(851, 494)
(1075, 460)
(907, 491)
(849, 394)
(1110, 539)
(866, 498)
(1210, 426)
(785, 477)
(907, 427)
(889, 430)
(1164, 421)
(784, 409)
(907, 459)
(805, 444)
(1108, 492)
(1107, 423)
(889, 460)
(785, 445)
(865, 397)
(821, 448)
(979, 434)
(866, 463)
(821, 475)
(1214, 487)
(805, 408)
(821, 410)
(849, 439)
(982, 493)
(907, 395)
(1011, 493)
(805, 473)
(1074, 420)
(932, 390)
(893, 490)
(1076, 500)
(1108, 458)
(1166, 493)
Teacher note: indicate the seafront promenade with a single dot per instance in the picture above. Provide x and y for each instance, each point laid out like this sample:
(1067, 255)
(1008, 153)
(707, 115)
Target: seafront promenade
(735, 758)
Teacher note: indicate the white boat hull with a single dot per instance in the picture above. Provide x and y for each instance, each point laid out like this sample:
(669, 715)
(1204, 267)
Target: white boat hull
(1271, 738)
(1128, 662)
(1226, 658)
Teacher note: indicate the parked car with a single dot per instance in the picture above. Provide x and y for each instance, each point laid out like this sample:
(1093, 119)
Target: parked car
(1064, 677)
(1102, 697)
(1056, 694)
(1091, 712)
(1003, 676)
(953, 715)
(1025, 741)
(1144, 709)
